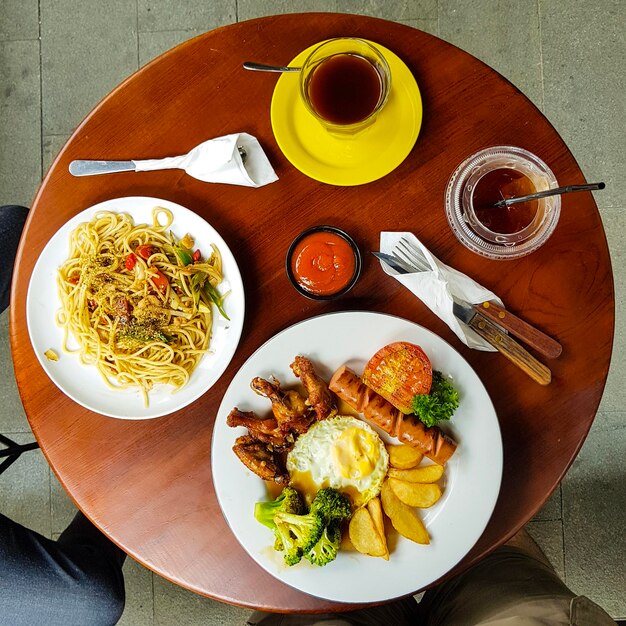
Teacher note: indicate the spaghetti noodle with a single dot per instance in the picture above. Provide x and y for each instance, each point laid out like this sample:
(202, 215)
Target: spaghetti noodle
(137, 301)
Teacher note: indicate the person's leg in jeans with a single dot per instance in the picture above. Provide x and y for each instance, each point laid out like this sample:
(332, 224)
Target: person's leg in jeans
(12, 218)
(75, 581)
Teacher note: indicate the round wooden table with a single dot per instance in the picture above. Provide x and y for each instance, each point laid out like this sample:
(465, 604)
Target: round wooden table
(148, 484)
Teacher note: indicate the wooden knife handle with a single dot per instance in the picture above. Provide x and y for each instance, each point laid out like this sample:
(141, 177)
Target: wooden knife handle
(511, 350)
(522, 330)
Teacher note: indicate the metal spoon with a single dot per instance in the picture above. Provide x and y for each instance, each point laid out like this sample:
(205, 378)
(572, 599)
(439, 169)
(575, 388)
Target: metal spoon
(548, 192)
(261, 67)
(197, 163)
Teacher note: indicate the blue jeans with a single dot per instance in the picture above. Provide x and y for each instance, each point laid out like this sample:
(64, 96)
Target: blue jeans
(12, 218)
(75, 581)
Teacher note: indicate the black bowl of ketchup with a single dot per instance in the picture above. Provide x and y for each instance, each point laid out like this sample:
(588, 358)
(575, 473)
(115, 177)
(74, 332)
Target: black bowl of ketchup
(323, 263)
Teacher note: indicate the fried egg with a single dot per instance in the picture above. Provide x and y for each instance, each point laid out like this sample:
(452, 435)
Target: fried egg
(342, 452)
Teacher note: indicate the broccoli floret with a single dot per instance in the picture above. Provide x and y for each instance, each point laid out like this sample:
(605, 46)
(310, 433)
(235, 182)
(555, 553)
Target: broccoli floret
(287, 542)
(315, 534)
(289, 501)
(437, 405)
(305, 530)
(331, 505)
(327, 547)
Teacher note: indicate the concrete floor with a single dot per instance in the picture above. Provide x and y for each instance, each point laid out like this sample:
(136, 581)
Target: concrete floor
(58, 58)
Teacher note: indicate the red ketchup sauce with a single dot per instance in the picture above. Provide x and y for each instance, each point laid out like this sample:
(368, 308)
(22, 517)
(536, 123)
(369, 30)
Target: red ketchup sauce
(323, 263)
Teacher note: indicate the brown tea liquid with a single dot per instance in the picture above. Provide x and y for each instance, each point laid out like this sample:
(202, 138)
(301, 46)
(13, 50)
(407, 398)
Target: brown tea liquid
(344, 89)
(502, 184)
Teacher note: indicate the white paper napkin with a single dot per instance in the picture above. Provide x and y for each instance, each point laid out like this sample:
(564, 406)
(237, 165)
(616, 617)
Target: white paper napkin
(436, 288)
(219, 161)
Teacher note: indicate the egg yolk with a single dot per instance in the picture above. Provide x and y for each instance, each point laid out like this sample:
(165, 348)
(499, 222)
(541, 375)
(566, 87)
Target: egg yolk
(355, 453)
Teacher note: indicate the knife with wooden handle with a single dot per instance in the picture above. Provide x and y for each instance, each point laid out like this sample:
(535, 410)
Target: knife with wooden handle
(528, 334)
(494, 334)
(511, 350)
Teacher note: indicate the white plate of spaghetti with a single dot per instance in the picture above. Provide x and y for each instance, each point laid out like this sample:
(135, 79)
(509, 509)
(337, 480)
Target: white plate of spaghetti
(135, 307)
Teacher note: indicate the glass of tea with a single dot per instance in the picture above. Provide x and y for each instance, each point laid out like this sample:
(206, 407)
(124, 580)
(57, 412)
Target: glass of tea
(345, 83)
(496, 174)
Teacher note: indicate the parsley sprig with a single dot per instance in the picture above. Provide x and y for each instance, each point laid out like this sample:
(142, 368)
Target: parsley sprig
(439, 404)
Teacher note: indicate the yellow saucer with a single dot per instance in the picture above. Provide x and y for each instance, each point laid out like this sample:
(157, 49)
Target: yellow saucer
(356, 160)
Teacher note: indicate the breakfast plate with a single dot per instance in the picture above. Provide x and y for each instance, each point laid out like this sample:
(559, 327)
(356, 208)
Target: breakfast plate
(83, 383)
(473, 474)
(346, 161)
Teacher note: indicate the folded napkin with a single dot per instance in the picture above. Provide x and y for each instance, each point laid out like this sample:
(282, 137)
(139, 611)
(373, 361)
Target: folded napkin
(436, 288)
(220, 161)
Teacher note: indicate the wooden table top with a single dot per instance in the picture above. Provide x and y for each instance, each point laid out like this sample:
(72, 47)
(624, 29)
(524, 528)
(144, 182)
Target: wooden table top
(148, 484)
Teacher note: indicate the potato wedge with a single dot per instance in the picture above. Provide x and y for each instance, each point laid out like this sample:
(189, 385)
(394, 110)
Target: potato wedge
(423, 474)
(375, 509)
(403, 517)
(421, 495)
(363, 534)
(404, 457)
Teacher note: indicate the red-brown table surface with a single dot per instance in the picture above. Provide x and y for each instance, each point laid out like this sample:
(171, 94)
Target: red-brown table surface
(147, 484)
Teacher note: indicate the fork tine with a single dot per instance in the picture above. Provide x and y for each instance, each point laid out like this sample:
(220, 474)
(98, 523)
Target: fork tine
(416, 258)
(401, 251)
(403, 245)
(403, 256)
(409, 260)
(417, 254)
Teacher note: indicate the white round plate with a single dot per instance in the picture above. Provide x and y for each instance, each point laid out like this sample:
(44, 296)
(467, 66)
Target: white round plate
(472, 477)
(83, 383)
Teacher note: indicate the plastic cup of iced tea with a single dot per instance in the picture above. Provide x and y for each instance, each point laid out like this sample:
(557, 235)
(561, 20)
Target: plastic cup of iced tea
(492, 175)
(345, 83)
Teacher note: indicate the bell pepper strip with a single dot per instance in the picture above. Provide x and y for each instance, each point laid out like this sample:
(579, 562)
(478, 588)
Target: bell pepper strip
(184, 255)
(159, 280)
(187, 241)
(130, 262)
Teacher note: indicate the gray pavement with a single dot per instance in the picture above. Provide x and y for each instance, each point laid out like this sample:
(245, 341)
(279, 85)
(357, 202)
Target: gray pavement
(58, 58)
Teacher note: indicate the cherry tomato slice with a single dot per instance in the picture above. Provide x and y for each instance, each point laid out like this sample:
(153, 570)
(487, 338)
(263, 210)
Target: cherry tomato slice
(130, 262)
(145, 251)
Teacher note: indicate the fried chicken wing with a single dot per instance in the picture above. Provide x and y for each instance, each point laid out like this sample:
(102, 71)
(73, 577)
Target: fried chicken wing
(289, 407)
(251, 421)
(263, 450)
(321, 399)
(261, 460)
(264, 430)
